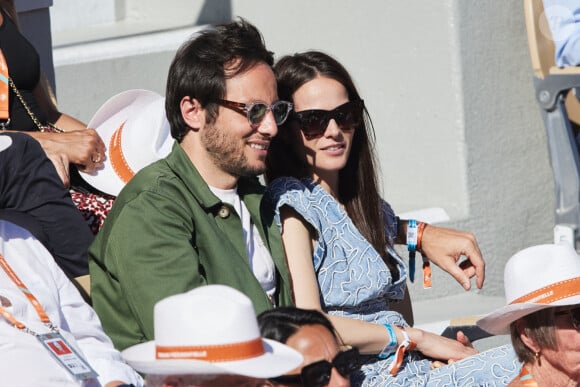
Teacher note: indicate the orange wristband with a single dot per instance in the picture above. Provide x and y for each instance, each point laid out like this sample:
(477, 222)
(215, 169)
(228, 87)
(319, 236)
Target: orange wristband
(420, 229)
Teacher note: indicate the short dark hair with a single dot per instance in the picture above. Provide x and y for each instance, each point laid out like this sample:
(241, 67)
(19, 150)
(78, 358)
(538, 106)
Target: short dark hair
(539, 327)
(280, 323)
(203, 63)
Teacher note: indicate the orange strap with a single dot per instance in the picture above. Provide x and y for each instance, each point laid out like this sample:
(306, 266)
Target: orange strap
(551, 293)
(4, 113)
(406, 345)
(420, 228)
(427, 278)
(213, 353)
(526, 377)
(118, 161)
(37, 306)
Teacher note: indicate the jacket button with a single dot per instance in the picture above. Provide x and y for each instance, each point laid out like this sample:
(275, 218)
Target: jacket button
(224, 212)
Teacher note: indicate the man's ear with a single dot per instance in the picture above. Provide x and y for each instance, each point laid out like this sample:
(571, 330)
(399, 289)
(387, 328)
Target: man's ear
(193, 113)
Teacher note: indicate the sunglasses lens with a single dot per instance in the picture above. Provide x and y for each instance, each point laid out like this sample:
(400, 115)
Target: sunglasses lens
(575, 317)
(348, 116)
(347, 362)
(257, 113)
(317, 374)
(281, 109)
(313, 123)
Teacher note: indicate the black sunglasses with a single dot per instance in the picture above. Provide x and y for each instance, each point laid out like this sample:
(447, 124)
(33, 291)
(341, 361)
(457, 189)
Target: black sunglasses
(313, 123)
(318, 374)
(574, 316)
(256, 111)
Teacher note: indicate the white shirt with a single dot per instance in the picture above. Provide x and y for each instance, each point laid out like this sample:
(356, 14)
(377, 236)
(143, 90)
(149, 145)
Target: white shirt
(259, 256)
(563, 17)
(23, 360)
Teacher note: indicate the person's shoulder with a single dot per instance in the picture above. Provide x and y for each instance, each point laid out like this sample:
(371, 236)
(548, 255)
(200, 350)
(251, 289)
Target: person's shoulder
(156, 178)
(299, 194)
(286, 183)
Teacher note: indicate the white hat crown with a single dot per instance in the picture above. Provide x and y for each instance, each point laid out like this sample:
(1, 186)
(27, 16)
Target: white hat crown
(539, 268)
(536, 278)
(136, 133)
(209, 315)
(211, 329)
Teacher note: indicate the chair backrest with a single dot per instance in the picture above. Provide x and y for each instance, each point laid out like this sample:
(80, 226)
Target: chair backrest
(540, 40)
(542, 52)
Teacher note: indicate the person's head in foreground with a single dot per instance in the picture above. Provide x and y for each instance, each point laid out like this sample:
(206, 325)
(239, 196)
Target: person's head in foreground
(209, 336)
(312, 334)
(221, 90)
(542, 287)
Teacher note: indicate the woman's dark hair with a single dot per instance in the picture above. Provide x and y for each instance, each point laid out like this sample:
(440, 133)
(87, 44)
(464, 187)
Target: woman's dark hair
(203, 63)
(540, 328)
(358, 186)
(281, 323)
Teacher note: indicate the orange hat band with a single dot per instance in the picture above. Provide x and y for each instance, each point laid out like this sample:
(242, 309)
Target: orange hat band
(118, 161)
(551, 293)
(213, 353)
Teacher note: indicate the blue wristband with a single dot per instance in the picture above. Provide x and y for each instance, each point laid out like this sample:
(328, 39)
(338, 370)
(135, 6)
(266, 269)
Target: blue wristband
(412, 235)
(412, 230)
(392, 345)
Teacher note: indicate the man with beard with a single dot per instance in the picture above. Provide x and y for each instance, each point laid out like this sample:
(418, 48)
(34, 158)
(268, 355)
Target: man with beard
(196, 217)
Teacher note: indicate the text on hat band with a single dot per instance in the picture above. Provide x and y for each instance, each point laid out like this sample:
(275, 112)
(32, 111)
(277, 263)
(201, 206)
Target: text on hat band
(551, 293)
(213, 353)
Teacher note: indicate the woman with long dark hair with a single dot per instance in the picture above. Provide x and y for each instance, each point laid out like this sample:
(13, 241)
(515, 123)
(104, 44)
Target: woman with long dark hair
(338, 235)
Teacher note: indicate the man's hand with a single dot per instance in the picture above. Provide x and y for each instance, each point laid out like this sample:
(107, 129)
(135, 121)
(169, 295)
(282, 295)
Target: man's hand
(445, 247)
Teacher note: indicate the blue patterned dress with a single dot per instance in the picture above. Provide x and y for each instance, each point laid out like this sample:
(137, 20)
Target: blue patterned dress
(355, 282)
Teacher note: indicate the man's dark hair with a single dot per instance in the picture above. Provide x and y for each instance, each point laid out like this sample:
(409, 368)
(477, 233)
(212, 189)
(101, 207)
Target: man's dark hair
(203, 63)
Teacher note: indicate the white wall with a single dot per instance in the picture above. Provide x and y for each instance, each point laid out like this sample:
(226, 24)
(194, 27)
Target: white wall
(448, 85)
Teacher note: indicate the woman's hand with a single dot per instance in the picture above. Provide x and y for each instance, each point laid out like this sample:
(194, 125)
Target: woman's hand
(83, 148)
(440, 348)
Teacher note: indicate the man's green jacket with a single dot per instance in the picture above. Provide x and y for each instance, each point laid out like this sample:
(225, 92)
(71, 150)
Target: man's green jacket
(168, 233)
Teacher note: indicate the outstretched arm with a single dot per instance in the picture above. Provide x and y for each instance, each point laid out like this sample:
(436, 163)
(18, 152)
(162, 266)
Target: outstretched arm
(369, 338)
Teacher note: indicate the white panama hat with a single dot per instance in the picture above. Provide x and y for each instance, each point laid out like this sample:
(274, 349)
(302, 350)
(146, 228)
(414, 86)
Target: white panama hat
(212, 329)
(536, 278)
(136, 133)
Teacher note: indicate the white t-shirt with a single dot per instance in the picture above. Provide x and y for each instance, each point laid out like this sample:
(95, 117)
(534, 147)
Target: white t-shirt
(259, 256)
